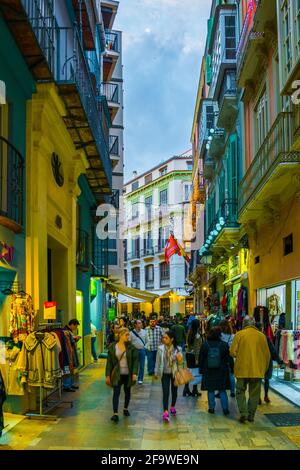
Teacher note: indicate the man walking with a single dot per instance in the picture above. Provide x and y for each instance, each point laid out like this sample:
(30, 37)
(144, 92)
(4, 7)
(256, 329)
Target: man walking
(138, 338)
(250, 348)
(179, 332)
(154, 339)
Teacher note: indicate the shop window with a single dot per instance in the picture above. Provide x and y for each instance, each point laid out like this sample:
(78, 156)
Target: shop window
(189, 306)
(288, 245)
(124, 309)
(165, 306)
(136, 309)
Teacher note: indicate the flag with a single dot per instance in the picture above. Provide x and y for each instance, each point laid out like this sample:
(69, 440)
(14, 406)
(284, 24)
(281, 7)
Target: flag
(174, 248)
(171, 248)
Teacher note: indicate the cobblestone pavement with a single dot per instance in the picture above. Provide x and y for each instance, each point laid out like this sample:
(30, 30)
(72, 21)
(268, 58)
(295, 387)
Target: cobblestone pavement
(87, 425)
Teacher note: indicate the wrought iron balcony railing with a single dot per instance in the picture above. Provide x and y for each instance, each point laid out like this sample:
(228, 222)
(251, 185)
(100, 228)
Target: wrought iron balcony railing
(112, 41)
(111, 91)
(276, 149)
(11, 183)
(226, 217)
(114, 145)
(228, 88)
(245, 34)
(73, 69)
(83, 250)
(149, 284)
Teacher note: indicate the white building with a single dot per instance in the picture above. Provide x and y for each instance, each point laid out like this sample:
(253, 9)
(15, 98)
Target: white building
(156, 204)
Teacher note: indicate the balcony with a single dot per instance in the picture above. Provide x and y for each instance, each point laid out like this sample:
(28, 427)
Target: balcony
(149, 285)
(208, 168)
(223, 232)
(164, 282)
(217, 144)
(82, 251)
(34, 28)
(134, 256)
(87, 20)
(228, 103)
(112, 53)
(207, 120)
(109, 10)
(12, 169)
(259, 30)
(85, 114)
(114, 151)
(112, 94)
(271, 171)
(147, 252)
(99, 261)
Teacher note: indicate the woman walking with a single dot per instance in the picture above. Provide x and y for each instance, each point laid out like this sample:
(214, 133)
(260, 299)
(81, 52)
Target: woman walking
(121, 369)
(194, 343)
(214, 367)
(168, 359)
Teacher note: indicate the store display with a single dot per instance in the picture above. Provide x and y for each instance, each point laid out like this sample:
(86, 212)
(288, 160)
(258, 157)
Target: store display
(287, 345)
(275, 307)
(22, 316)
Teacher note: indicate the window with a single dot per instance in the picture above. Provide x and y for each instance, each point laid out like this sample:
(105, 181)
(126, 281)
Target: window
(4, 118)
(135, 276)
(189, 306)
(287, 35)
(165, 306)
(190, 166)
(288, 245)
(164, 275)
(187, 192)
(163, 171)
(148, 178)
(148, 204)
(125, 250)
(210, 117)
(124, 309)
(135, 248)
(164, 198)
(262, 121)
(135, 210)
(136, 309)
(112, 244)
(125, 277)
(163, 237)
(230, 37)
(148, 243)
(135, 186)
(149, 276)
(113, 258)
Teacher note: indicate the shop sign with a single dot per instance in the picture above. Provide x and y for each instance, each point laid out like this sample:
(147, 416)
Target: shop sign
(6, 252)
(50, 309)
(111, 314)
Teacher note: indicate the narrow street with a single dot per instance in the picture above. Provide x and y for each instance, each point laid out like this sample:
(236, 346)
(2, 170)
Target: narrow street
(87, 425)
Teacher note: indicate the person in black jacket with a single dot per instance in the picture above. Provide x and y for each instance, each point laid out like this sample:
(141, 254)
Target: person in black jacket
(121, 369)
(214, 367)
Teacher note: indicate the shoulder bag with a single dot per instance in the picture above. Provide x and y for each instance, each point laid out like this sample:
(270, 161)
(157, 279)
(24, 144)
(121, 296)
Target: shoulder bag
(114, 371)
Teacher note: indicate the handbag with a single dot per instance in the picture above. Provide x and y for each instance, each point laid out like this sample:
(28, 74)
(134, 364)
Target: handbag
(182, 377)
(114, 371)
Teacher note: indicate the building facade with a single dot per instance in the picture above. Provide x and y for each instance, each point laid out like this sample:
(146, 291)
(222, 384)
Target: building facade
(55, 159)
(156, 205)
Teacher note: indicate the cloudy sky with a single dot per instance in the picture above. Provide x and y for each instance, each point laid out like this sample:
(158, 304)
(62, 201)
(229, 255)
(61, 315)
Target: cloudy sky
(163, 45)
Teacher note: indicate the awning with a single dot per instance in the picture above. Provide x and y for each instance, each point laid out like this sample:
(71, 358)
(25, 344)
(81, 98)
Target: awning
(142, 296)
(123, 299)
(182, 293)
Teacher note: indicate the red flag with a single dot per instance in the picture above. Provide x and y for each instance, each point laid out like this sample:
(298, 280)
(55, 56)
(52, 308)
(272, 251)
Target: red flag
(171, 248)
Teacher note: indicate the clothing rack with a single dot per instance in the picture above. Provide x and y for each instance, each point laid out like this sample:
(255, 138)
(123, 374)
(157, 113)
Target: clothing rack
(54, 404)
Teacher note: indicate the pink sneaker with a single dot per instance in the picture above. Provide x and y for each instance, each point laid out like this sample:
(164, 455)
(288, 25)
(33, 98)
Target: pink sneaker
(173, 411)
(166, 417)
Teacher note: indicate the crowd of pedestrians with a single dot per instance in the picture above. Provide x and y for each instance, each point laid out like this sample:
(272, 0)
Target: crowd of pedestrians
(219, 359)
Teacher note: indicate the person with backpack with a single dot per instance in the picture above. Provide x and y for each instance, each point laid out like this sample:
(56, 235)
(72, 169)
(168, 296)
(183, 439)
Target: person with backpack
(194, 343)
(139, 339)
(214, 367)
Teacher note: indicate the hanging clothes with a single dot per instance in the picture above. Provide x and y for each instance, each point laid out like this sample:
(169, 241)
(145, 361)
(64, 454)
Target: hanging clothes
(21, 317)
(224, 303)
(242, 307)
(39, 360)
(10, 372)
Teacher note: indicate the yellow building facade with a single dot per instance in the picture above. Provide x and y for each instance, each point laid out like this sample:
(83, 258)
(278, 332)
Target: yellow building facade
(53, 168)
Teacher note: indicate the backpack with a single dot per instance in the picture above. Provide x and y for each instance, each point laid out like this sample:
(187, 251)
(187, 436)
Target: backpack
(213, 357)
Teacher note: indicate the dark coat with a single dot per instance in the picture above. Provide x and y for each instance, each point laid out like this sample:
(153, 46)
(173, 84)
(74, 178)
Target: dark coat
(274, 357)
(214, 379)
(132, 356)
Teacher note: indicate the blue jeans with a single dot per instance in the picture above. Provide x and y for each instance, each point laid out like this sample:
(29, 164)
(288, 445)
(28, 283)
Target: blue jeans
(68, 381)
(212, 400)
(142, 357)
(151, 358)
(93, 347)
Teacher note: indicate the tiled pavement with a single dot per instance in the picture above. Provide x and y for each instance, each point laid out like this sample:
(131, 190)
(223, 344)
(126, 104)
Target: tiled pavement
(87, 425)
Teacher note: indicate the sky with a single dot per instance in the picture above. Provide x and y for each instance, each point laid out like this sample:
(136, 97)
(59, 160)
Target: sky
(163, 45)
